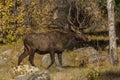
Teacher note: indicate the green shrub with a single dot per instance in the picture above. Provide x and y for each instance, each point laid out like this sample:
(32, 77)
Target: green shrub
(93, 74)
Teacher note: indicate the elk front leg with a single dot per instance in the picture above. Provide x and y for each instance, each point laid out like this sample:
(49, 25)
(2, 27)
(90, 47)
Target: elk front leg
(60, 58)
(52, 56)
(31, 58)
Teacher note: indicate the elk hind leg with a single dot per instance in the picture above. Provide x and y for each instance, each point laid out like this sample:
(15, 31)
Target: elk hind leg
(22, 56)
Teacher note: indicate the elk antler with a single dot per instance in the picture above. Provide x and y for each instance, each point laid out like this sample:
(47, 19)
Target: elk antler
(78, 15)
(69, 16)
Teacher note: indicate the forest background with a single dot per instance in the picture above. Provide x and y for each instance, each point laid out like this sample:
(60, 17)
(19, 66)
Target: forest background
(20, 16)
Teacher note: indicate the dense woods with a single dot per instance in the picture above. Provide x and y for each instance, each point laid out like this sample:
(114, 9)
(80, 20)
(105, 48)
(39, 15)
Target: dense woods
(20, 16)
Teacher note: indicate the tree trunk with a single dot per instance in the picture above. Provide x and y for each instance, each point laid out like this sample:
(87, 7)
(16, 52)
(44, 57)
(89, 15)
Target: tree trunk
(112, 34)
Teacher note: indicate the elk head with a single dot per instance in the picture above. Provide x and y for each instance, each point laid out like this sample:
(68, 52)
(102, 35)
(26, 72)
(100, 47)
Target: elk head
(78, 34)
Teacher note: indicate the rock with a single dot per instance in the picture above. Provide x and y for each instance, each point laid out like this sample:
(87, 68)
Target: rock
(3, 60)
(34, 76)
(21, 77)
(40, 76)
(81, 57)
(8, 52)
(77, 57)
(27, 72)
(24, 69)
(46, 60)
(89, 56)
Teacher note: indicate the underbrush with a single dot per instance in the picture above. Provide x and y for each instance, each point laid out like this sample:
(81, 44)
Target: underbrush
(103, 71)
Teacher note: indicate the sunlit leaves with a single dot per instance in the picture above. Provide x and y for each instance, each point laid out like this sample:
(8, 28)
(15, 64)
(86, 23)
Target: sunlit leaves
(11, 18)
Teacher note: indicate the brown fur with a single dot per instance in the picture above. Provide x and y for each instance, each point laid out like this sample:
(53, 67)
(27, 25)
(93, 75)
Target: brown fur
(49, 42)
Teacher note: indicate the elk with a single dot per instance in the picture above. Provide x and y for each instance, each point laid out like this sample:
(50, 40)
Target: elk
(51, 42)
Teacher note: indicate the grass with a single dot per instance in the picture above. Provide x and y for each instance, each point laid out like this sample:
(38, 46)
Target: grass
(71, 71)
(93, 37)
(112, 73)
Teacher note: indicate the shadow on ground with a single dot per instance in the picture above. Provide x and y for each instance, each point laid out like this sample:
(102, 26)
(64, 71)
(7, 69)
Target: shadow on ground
(110, 75)
(68, 66)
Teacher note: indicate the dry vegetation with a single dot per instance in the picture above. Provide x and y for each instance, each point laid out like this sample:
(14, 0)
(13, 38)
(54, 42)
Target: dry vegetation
(70, 71)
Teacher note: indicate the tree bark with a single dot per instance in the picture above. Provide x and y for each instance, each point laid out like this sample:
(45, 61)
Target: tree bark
(112, 34)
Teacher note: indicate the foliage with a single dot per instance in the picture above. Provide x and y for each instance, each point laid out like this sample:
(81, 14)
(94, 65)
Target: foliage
(19, 16)
(38, 17)
(78, 13)
(93, 74)
(103, 7)
(12, 19)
